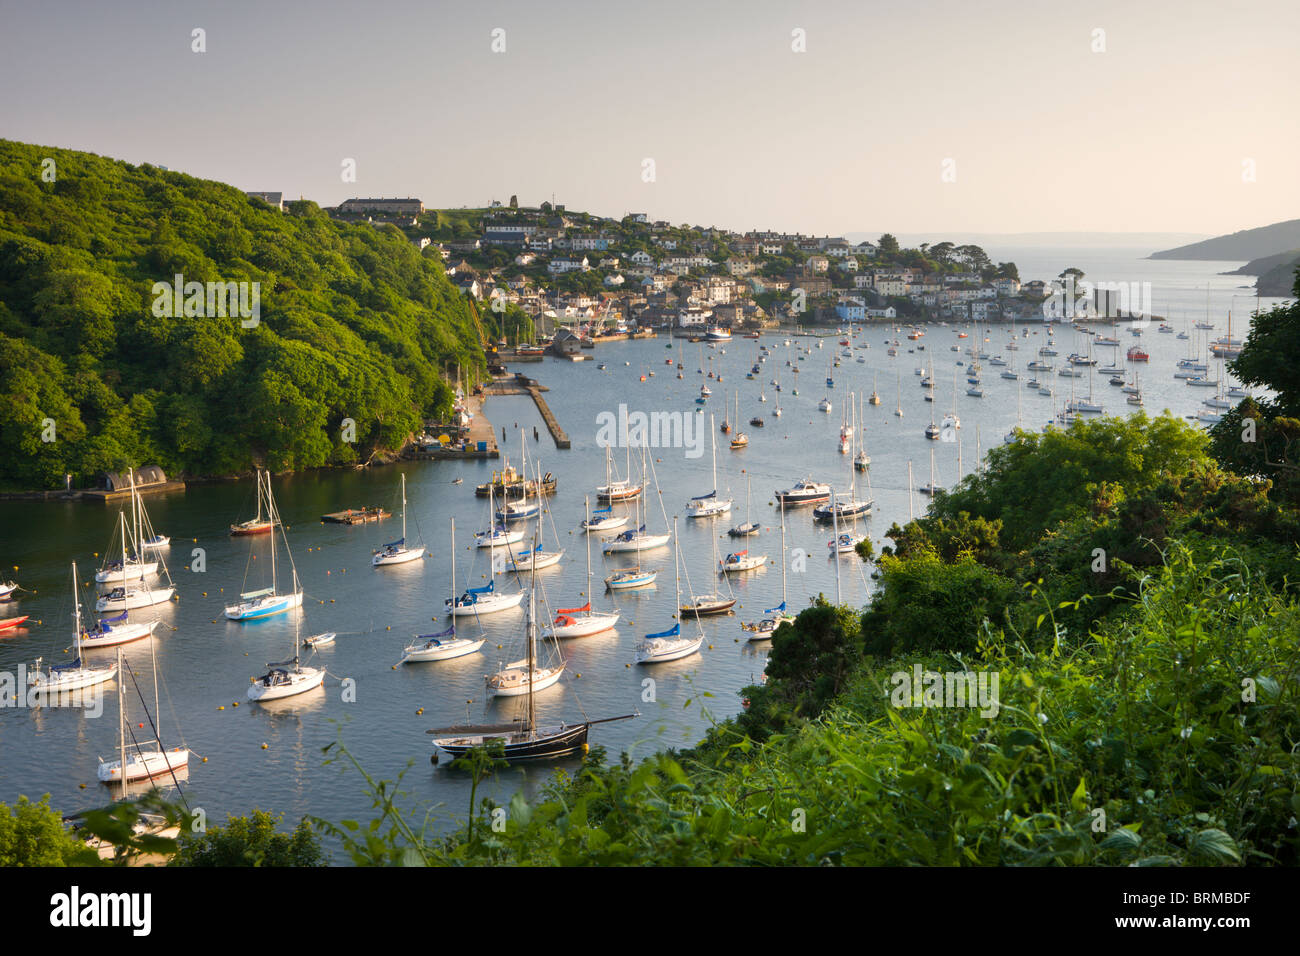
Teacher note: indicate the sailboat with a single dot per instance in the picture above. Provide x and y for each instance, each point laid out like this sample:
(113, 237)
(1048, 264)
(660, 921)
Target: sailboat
(444, 644)
(582, 621)
(899, 410)
(618, 489)
(258, 525)
(765, 628)
(76, 674)
(537, 559)
(498, 536)
(637, 540)
(851, 509)
(861, 461)
(669, 645)
(269, 601)
(931, 488)
(875, 396)
(124, 569)
(524, 676)
(629, 579)
(740, 439)
(750, 526)
(703, 605)
(396, 552)
(142, 763)
(523, 509)
(287, 678)
(710, 505)
(132, 595)
(521, 740)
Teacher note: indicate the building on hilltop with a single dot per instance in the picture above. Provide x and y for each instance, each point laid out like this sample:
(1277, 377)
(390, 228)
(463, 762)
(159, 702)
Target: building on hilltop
(402, 207)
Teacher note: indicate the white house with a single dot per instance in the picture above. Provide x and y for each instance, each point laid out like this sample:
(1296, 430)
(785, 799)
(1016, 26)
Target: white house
(614, 280)
(560, 266)
(642, 258)
(525, 259)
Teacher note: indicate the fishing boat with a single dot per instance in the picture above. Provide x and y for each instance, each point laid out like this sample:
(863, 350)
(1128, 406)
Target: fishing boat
(582, 621)
(76, 674)
(267, 602)
(396, 552)
(670, 645)
(709, 505)
(286, 678)
(1137, 354)
(148, 759)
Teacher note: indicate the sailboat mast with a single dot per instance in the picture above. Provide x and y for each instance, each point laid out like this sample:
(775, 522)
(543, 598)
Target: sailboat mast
(835, 549)
(453, 564)
(270, 508)
(782, 550)
(587, 503)
(76, 604)
(403, 509)
(121, 718)
(532, 637)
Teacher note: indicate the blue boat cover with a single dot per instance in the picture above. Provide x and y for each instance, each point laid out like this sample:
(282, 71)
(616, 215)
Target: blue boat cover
(486, 589)
(671, 632)
(779, 607)
(705, 497)
(399, 543)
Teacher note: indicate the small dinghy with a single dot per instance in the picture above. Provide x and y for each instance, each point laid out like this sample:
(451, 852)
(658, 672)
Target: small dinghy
(320, 640)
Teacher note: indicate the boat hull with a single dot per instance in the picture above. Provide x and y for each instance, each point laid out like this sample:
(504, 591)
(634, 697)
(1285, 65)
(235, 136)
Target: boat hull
(487, 605)
(255, 610)
(400, 556)
(419, 653)
(309, 678)
(135, 599)
(147, 766)
(118, 635)
(520, 746)
(584, 625)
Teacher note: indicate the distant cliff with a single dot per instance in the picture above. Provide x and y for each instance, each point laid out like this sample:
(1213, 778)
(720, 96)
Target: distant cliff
(1246, 244)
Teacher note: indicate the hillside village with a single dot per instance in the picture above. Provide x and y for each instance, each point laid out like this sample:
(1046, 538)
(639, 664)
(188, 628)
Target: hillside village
(562, 267)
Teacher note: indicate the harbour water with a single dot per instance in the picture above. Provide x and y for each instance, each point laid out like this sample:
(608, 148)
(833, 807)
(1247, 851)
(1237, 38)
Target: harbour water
(205, 662)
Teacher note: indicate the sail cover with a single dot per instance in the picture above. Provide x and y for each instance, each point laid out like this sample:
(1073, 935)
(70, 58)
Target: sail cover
(399, 543)
(434, 638)
(112, 620)
(737, 556)
(575, 610)
(603, 511)
(780, 607)
(705, 497)
(485, 589)
(671, 632)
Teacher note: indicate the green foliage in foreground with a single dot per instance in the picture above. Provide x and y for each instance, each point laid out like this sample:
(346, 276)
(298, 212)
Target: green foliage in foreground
(251, 841)
(354, 323)
(1166, 738)
(32, 834)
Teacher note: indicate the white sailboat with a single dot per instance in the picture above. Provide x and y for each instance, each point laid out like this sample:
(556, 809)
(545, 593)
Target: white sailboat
(525, 676)
(764, 629)
(582, 621)
(148, 759)
(287, 678)
(536, 559)
(669, 645)
(396, 552)
(76, 674)
(445, 644)
(126, 595)
(750, 527)
(267, 602)
(630, 579)
(710, 505)
(639, 539)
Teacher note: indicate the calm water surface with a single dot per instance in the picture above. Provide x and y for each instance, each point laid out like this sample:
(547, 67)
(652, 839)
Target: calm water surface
(205, 662)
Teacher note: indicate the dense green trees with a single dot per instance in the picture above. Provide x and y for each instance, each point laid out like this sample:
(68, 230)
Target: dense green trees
(353, 322)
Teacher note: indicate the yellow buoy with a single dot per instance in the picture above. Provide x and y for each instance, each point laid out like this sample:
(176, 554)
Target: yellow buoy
(205, 759)
(264, 746)
(222, 707)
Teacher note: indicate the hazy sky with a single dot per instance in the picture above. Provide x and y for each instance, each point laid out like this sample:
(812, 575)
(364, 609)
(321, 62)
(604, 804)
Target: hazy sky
(851, 135)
